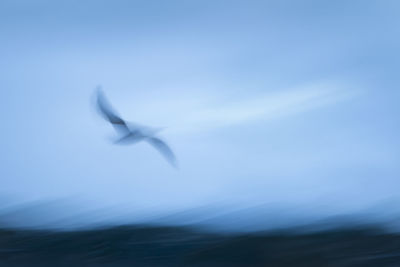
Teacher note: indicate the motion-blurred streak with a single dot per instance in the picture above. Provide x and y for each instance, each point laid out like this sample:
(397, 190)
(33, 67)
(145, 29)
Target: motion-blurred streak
(132, 133)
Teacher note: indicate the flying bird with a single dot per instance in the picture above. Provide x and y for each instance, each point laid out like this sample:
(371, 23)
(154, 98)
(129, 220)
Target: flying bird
(131, 133)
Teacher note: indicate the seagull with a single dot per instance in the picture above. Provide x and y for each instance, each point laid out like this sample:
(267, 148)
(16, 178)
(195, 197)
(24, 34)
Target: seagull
(132, 133)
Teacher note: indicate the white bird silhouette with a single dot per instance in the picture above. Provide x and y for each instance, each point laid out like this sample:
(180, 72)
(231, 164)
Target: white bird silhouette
(133, 133)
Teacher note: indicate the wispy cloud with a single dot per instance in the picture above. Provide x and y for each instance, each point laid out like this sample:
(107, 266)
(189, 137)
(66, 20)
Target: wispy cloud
(268, 106)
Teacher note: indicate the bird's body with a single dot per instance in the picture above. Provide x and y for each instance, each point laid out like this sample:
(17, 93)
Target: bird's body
(133, 133)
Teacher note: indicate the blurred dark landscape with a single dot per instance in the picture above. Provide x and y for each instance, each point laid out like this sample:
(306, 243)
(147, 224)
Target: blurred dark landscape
(147, 245)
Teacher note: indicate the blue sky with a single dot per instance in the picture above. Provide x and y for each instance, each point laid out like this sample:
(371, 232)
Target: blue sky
(289, 102)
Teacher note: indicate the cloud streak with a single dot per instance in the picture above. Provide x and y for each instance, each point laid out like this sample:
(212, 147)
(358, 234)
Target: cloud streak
(266, 107)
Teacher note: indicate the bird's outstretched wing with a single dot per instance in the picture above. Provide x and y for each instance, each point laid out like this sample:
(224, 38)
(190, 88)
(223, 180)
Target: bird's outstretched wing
(107, 112)
(164, 149)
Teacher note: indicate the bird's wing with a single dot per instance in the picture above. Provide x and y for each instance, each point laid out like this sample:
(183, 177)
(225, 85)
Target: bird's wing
(164, 149)
(109, 114)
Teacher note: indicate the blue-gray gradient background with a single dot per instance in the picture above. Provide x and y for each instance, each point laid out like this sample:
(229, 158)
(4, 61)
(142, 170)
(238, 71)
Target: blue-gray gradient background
(285, 104)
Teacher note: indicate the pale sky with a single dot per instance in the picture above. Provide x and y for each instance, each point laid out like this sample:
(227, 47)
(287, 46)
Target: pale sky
(286, 102)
